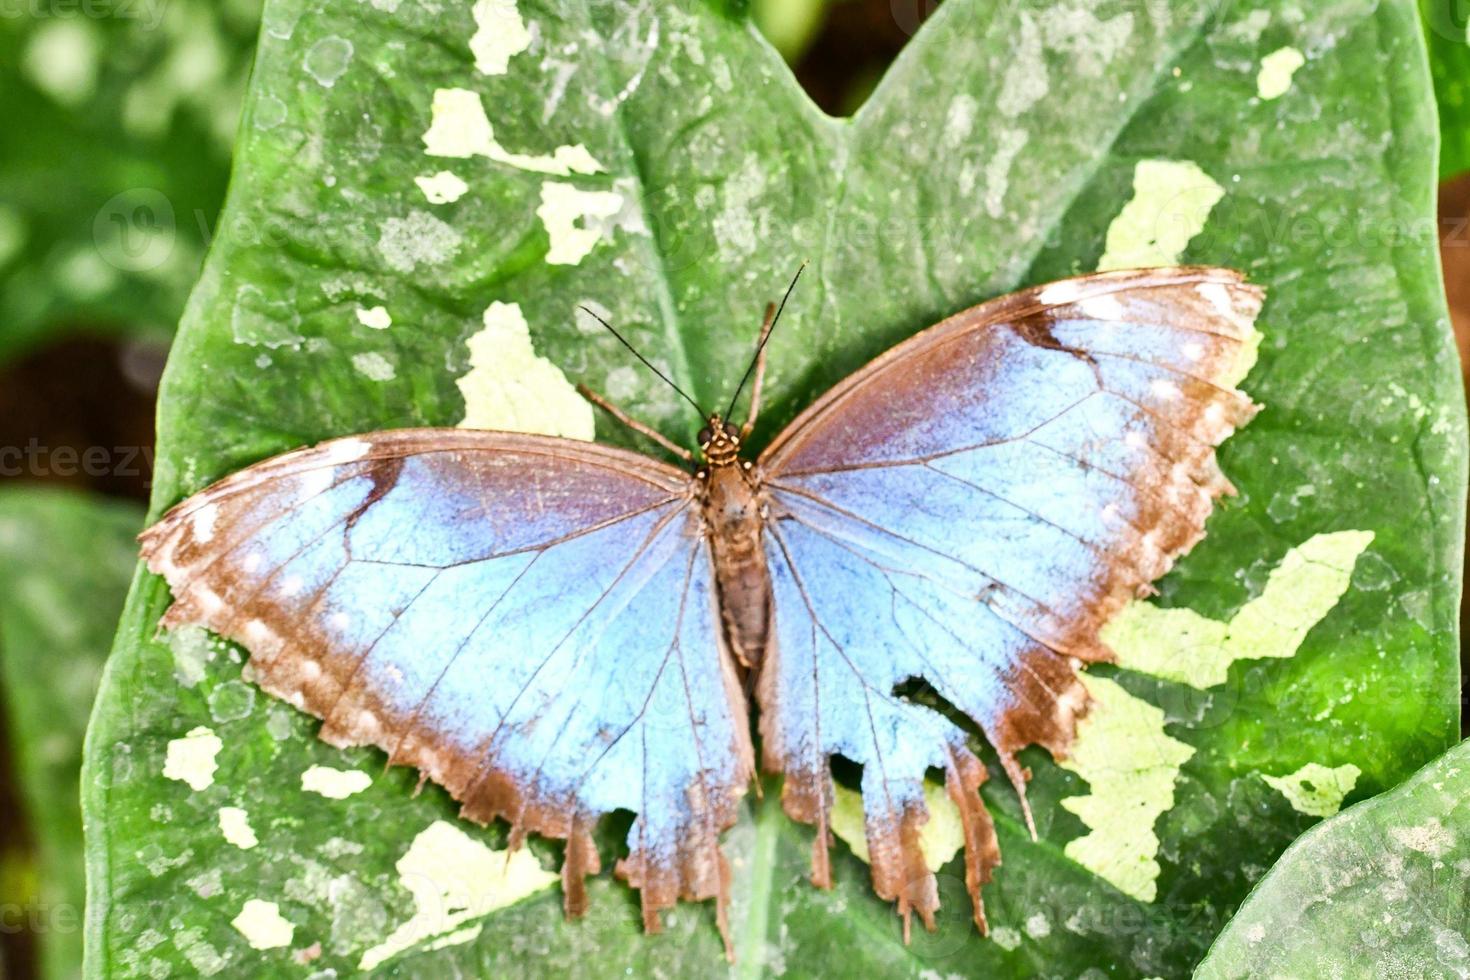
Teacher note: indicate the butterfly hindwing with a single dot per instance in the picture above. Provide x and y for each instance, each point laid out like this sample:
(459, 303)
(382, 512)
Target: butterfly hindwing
(965, 514)
(530, 622)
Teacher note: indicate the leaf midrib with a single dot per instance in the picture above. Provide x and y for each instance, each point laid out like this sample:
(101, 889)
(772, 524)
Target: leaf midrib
(676, 349)
(848, 131)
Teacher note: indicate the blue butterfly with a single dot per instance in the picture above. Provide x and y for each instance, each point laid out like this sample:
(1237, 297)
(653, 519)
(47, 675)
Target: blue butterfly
(553, 630)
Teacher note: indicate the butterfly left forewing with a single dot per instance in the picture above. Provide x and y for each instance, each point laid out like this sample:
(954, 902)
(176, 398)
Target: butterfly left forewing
(528, 621)
(968, 511)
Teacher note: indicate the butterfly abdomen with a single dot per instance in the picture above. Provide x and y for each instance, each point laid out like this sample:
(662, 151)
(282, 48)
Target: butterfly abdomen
(733, 521)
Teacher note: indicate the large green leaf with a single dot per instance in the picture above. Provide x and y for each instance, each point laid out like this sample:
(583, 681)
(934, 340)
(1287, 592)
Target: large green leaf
(998, 151)
(121, 114)
(65, 562)
(1378, 890)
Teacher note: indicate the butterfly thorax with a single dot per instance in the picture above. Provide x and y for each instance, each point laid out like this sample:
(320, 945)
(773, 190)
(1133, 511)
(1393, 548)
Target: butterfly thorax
(733, 521)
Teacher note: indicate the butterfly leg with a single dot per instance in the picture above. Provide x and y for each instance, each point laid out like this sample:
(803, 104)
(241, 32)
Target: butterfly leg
(760, 371)
(633, 423)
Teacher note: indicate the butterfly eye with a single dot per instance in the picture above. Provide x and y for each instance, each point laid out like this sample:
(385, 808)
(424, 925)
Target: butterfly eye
(731, 432)
(705, 435)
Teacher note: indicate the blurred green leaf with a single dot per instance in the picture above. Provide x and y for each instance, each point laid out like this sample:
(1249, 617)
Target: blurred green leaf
(1379, 890)
(790, 25)
(346, 286)
(65, 562)
(120, 119)
(1447, 32)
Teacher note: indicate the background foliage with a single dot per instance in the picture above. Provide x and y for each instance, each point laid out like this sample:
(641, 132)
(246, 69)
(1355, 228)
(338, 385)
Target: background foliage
(121, 118)
(1447, 32)
(1382, 884)
(65, 562)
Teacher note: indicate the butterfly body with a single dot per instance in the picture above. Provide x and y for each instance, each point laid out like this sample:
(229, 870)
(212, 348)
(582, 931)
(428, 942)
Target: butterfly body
(734, 516)
(554, 630)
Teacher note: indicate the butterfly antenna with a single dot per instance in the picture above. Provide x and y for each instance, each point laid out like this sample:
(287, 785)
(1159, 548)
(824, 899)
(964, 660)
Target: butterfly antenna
(764, 340)
(647, 363)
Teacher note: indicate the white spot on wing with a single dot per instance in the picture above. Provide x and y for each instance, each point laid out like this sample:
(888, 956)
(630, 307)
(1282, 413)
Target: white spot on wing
(1059, 293)
(1165, 390)
(202, 523)
(207, 599)
(1103, 307)
(1219, 297)
(260, 638)
(347, 450)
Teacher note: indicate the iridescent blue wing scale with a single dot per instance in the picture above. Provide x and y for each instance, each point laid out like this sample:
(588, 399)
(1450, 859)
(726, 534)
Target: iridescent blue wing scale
(528, 621)
(968, 511)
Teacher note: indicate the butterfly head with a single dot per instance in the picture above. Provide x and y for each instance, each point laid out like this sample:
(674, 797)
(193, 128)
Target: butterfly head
(719, 442)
